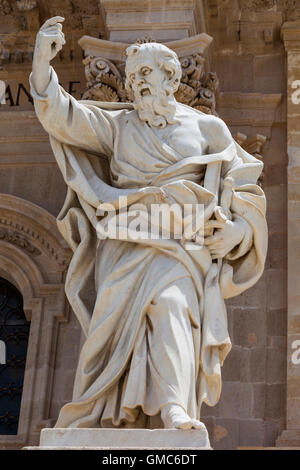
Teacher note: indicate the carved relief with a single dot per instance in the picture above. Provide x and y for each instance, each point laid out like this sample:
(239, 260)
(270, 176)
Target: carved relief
(73, 11)
(197, 88)
(213, 8)
(253, 145)
(87, 7)
(256, 5)
(291, 9)
(26, 5)
(5, 7)
(104, 81)
(16, 239)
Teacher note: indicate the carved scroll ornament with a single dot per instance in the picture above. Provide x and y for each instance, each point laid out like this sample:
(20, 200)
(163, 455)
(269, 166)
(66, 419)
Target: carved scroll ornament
(19, 240)
(104, 81)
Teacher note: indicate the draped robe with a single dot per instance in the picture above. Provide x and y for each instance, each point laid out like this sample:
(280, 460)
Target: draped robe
(105, 151)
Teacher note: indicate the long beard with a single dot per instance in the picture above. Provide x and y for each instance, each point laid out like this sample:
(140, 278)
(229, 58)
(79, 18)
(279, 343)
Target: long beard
(157, 109)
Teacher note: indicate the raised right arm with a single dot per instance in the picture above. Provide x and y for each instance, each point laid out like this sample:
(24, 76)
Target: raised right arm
(62, 116)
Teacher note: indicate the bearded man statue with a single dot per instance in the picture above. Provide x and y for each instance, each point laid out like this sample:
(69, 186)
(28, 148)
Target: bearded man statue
(152, 309)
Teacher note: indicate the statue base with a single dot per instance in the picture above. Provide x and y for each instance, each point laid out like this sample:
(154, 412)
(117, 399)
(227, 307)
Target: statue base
(122, 439)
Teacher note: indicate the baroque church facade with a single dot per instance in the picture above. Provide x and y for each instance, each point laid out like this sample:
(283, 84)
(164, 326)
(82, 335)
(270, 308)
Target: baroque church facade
(241, 61)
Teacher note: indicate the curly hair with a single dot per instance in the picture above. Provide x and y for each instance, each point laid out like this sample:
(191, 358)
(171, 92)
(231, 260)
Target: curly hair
(165, 58)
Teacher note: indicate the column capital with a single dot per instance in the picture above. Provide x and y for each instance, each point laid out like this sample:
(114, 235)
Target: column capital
(290, 34)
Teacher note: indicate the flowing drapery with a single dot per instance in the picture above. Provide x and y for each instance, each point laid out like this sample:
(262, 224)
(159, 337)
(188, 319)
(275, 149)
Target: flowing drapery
(111, 283)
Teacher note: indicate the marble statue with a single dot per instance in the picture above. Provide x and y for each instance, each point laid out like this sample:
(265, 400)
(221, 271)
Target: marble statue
(152, 310)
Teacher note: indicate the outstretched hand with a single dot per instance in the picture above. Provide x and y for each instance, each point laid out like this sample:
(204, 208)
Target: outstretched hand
(50, 39)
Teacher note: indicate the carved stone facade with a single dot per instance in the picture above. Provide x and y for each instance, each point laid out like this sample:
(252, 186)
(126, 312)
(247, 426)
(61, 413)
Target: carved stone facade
(5, 7)
(19, 240)
(256, 5)
(233, 59)
(33, 257)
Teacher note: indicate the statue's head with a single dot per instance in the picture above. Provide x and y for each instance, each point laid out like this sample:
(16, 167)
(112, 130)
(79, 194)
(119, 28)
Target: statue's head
(153, 74)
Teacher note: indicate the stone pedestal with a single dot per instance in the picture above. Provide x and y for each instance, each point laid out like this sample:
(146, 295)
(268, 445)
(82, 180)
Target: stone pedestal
(289, 438)
(121, 439)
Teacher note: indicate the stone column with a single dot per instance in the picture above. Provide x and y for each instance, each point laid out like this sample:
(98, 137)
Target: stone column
(291, 36)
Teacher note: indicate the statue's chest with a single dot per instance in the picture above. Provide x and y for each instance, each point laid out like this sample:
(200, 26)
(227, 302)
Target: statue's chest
(141, 153)
(185, 139)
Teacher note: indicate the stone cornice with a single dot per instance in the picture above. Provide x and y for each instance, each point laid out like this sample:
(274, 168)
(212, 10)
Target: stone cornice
(164, 20)
(132, 5)
(237, 108)
(250, 100)
(17, 115)
(17, 139)
(290, 34)
(115, 51)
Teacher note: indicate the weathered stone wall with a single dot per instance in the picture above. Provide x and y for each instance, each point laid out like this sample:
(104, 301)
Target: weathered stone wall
(28, 170)
(249, 59)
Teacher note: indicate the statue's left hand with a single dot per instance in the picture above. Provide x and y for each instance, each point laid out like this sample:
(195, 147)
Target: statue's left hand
(228, 234)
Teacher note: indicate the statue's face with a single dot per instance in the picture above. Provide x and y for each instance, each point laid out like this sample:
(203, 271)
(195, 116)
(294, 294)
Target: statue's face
(149, 80)
(145, 77)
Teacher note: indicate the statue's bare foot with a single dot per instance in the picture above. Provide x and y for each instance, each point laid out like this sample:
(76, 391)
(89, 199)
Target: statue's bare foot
(173, 416)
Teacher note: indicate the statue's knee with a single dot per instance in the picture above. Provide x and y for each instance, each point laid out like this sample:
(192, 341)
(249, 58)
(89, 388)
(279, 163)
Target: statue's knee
(170, 300)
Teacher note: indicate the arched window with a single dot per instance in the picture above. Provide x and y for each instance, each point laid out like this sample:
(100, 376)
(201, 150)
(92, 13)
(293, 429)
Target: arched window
(14, 332)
